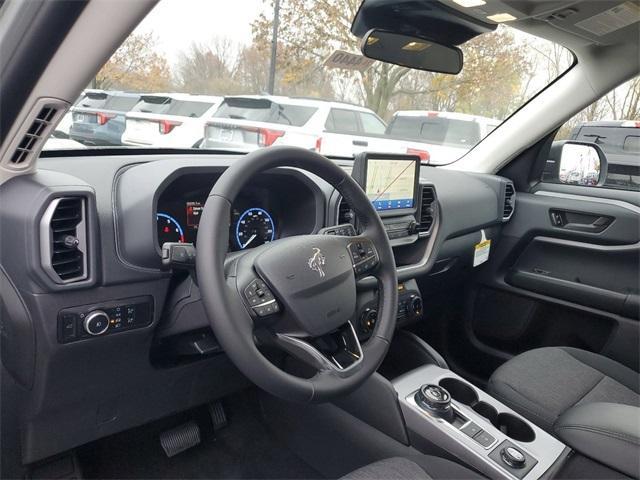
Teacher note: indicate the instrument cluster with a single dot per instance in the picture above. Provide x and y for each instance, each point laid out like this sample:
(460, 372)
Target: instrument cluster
(261, 214)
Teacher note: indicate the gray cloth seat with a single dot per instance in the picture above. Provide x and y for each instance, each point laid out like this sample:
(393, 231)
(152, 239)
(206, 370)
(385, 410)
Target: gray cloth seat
(542, 384)
(422, 467)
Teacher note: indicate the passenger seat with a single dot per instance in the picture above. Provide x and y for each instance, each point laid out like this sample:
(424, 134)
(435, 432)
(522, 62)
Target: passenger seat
(544, 383)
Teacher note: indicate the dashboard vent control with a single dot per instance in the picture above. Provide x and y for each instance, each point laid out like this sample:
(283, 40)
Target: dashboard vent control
(427, 210)
(34, 135)
(509, 201)
(63, 232)
(345, 214)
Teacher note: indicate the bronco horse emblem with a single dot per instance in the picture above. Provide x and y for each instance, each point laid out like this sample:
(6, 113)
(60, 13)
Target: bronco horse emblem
(316, 262)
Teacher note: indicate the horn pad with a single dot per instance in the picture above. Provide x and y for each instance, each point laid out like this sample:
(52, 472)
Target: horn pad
(313, 277)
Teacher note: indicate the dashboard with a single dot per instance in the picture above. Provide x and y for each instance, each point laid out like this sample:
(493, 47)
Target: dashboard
(129, 204)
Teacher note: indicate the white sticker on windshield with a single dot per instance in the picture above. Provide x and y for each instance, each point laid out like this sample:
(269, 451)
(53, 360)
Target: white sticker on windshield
(611, 20)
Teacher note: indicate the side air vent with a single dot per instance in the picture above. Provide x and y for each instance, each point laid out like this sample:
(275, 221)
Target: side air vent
(345, 214)
(427, 210)
(34, 135)
(509, 201)
(63, 239)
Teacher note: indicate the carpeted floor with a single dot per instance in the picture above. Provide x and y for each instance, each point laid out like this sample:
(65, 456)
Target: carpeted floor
(245, 449)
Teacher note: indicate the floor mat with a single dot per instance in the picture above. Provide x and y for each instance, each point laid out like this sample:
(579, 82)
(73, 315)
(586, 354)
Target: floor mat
(245, 449)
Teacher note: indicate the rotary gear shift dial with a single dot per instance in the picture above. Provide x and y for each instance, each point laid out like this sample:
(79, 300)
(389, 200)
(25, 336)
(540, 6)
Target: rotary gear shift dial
(436, 400)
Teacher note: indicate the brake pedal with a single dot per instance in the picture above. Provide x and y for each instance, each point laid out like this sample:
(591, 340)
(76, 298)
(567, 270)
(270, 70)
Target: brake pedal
(179, 439)
(218, 416)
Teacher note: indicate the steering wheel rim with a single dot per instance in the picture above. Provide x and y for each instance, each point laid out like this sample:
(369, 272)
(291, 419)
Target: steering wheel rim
(219, 278)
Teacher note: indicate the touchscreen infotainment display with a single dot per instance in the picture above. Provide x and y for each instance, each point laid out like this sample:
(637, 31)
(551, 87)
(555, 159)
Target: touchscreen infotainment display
(391, 183)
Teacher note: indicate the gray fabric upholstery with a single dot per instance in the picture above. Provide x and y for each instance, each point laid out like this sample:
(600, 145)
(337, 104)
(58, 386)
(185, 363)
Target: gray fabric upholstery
(392, 469)
(542, 384)
(421, 467)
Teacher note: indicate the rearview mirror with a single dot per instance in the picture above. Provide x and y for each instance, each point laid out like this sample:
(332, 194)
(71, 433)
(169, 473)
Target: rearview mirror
(582, 164)
(411, 52)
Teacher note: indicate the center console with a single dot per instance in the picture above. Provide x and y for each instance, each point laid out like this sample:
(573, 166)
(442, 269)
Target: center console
(441, 408)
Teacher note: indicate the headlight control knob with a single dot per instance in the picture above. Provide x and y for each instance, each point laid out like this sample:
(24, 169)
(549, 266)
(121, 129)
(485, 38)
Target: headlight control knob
(96, 323)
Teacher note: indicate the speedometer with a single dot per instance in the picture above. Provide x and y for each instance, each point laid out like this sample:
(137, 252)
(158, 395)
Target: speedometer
(169, 230)
(255, 227)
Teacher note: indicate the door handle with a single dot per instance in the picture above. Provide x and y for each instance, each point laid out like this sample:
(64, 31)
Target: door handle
(360, 143)
(579, 222)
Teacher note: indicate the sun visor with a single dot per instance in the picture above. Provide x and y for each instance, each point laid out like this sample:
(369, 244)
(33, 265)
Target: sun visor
(426, 19)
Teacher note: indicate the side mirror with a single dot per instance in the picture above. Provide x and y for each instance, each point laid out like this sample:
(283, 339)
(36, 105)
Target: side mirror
(582, 163)
(412, 52)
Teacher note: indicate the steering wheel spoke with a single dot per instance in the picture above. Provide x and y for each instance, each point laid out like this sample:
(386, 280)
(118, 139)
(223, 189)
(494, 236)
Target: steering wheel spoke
(363, 254)
(338, 351)
(260, 299)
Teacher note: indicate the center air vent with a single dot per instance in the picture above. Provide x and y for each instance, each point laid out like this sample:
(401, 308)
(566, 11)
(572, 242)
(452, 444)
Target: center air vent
(63, 239)
(427, 210)
(509, 201)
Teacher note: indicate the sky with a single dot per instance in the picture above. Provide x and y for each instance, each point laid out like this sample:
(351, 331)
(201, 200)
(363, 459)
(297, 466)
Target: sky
(178, 23)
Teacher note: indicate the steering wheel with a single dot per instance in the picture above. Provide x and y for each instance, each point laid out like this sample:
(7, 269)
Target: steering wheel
(296, 293)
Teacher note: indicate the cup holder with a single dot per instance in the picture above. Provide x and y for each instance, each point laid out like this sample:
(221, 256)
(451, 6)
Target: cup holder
(459, 391)
(514, 427)
(487, 411)
(507, 423)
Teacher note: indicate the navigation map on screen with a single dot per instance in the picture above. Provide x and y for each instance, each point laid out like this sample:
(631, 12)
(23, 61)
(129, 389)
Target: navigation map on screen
(390, 183)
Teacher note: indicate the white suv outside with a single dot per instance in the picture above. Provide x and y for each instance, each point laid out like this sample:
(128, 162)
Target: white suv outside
(169, 120)
(245, 123)
(446, 135)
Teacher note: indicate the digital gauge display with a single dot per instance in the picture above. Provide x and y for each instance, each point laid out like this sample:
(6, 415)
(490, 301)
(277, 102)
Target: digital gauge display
(169, 229)
(254, 227)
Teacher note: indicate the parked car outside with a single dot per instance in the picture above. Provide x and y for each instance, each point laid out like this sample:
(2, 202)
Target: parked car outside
(447, 135)
(98, 119)
(64, 125)
(58, 141)
(246, 123)
(620, 141)
(169, 120)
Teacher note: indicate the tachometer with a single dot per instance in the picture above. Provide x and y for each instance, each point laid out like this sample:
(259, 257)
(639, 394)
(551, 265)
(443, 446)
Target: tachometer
(169, 230)
(255, 227)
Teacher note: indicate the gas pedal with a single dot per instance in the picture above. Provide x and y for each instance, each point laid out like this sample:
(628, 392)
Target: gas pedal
(179, 439)
(218, 416)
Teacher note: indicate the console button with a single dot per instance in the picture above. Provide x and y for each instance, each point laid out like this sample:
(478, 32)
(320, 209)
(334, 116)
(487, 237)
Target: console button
(471, 429)
(68, 327)
(513, 457)
(484, 439)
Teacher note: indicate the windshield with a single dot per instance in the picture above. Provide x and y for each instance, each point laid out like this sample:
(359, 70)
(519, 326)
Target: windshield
(206, 74)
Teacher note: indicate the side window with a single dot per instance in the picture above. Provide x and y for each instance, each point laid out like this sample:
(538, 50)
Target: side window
(371, 124)
(613, 124)
(343, 121)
